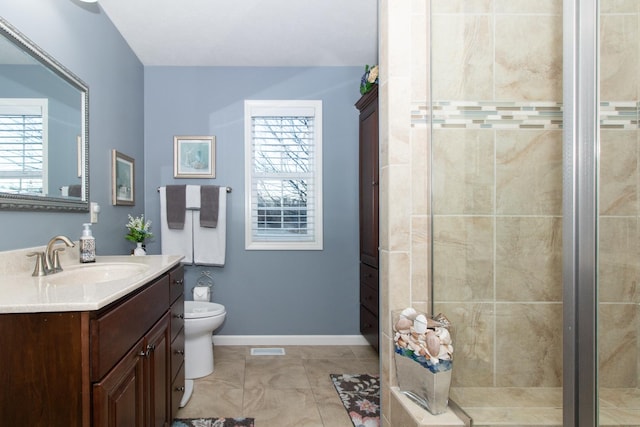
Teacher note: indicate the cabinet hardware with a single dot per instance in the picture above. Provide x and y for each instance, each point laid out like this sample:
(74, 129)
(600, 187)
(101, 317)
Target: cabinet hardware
(178, 282)
(179, 388)
(179, 316)
(147, 350)
(179, 351)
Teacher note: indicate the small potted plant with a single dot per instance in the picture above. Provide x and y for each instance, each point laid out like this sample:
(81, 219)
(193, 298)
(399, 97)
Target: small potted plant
(138, 232)
(369, 79)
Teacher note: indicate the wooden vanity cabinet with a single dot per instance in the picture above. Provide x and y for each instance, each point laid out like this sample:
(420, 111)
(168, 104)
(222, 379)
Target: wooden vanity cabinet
(176, 280)
(110, 367)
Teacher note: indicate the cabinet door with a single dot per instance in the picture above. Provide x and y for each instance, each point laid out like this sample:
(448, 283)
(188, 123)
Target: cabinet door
(369, 234)
(118, 400)
(158, 374)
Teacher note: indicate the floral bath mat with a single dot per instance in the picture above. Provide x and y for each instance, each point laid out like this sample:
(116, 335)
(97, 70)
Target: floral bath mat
(360, 395)
(213, 422)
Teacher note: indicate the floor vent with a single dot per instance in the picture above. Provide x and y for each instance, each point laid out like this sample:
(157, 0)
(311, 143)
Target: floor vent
(273, 351)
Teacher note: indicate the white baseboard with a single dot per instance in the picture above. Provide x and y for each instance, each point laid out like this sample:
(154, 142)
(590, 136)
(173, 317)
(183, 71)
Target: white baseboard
(290, 340)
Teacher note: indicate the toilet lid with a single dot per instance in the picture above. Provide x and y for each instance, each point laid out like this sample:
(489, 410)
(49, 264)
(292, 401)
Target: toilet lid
(199, 309)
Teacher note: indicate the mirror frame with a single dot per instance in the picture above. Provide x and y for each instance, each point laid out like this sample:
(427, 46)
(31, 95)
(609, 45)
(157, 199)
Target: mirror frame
(9, 201)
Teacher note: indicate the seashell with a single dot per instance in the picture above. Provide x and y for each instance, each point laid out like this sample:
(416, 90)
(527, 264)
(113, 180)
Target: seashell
(432, 323)
(442, 319)
(444, 335)
(415, 347)
(433, 343)
(403, 324)
(409, 313)
(420, 324)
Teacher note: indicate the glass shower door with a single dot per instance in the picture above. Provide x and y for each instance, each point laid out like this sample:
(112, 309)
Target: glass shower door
(535, 161)
(618, 213)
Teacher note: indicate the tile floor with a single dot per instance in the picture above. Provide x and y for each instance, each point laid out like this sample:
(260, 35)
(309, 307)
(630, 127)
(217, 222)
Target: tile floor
(279, 391)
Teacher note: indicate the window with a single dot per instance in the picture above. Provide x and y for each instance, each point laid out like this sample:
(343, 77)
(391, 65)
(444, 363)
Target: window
(23, 145)
(283, 175)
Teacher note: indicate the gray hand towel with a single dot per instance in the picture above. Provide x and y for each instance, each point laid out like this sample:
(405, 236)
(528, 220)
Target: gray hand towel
(209, 200)
(176, 201)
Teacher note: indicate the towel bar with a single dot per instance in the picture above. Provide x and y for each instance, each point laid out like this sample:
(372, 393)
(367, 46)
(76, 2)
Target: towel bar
(228, 189)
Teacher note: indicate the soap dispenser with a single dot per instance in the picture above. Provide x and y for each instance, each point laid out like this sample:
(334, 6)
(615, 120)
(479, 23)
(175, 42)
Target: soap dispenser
(87, 245)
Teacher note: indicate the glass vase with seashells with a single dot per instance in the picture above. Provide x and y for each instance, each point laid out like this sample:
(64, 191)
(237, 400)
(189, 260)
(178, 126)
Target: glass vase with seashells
(424, 358)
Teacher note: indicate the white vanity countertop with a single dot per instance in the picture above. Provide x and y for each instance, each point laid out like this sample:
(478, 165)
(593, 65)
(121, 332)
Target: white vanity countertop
(20, 292)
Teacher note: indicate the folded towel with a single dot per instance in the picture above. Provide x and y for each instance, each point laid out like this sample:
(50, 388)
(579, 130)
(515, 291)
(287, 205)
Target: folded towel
(64, 191)
(75, 190)
(175, 209)
(176, 241)
(209, 200)
(193, 197)
(209, 244)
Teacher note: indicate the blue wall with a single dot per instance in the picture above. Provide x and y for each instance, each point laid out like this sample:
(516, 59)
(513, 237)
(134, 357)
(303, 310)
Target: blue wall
(138, 110)
(265, 292)
(82, 37)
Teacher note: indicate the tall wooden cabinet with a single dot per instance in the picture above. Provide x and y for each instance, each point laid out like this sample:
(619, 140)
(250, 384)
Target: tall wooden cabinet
(369, 219)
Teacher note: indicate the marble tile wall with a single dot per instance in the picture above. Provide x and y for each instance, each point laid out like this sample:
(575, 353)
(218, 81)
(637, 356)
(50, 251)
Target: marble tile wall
(493, 74)
(497, 191)
(497, 188)
(619, 255)
(404, 179)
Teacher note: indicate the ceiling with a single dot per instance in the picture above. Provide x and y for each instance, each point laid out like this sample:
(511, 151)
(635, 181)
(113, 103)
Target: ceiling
(248, 32)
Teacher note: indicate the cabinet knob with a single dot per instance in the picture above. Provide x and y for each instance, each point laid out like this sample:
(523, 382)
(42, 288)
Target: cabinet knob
(178, 282)
(179, 316)
(179, 388)
(147, 351)
(179, 352)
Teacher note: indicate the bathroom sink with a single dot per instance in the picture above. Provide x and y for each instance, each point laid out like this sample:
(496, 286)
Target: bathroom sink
(95, 273)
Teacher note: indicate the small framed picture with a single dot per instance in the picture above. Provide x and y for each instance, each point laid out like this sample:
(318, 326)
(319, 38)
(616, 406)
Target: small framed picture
(122, 176)
(194, 156)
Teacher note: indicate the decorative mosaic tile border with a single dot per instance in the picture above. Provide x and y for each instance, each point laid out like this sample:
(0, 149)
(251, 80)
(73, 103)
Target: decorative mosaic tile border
(619, 115)
(517, 115)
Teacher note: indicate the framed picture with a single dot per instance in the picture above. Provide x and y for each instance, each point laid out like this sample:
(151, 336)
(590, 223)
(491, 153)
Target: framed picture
(194, 156)
(122, 176)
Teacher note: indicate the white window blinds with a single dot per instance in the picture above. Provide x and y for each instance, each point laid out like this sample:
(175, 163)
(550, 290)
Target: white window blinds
(284, 183)
(22, 145)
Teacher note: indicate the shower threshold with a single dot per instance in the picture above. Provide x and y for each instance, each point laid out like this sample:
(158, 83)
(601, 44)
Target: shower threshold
(541, 406)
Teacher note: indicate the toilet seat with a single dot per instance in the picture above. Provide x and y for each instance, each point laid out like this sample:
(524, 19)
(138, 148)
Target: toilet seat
(200, 309)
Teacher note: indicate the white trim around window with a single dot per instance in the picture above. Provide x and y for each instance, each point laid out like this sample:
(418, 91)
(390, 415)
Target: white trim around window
(283, 175)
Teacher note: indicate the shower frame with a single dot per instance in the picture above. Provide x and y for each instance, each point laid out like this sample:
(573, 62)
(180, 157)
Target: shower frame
(580, 227)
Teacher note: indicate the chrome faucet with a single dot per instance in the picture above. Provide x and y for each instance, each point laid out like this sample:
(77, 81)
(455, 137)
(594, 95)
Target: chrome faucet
(51, 258)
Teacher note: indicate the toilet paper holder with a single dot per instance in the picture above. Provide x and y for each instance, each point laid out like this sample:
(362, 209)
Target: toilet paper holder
(202, 291)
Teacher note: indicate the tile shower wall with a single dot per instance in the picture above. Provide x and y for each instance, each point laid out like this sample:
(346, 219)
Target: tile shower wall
(497, 93)
(619, 256)
(497, 190)
(404, 193)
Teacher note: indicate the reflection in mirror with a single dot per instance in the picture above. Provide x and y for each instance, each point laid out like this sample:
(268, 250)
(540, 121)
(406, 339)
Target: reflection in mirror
(43, 129)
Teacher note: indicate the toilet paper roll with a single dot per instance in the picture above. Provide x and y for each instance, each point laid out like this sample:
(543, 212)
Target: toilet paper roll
(201, 293)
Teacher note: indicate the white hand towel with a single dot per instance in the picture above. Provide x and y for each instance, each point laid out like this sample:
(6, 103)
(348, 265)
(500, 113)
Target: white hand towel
(192, 196)
(65, 191)
(173, 241)
(210, 244)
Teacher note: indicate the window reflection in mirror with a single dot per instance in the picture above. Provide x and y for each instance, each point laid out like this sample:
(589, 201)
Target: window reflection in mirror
(43, 129)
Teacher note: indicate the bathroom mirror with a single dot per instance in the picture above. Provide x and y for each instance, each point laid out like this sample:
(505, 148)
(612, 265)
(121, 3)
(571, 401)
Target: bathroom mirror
(44, 136)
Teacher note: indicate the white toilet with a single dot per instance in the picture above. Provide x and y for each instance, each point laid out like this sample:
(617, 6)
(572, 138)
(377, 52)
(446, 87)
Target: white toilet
(200, 320)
